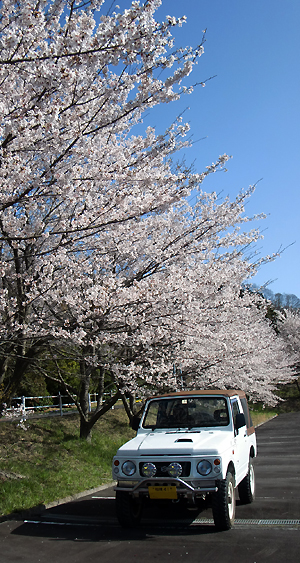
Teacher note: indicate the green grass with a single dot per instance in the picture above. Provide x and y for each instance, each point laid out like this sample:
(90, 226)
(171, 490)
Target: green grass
(49, 461)
(290, 395)
(259, 414)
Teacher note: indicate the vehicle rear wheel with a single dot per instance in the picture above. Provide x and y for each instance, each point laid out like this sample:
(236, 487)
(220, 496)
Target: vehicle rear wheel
(246, 487)
(223, 503)
(129, 509)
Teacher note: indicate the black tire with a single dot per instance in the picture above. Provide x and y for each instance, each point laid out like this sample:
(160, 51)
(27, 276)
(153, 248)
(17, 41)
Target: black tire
(246, 487)
(223, 503)
(129, 510)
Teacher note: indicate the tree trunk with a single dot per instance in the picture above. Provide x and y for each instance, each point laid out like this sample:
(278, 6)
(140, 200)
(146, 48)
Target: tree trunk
(100, 387)
(127, 408)
(85, 429)
(85, 376)
(87, 422)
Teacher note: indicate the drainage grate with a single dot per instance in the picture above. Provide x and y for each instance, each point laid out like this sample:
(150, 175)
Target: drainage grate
(253, 522)
(67, 520)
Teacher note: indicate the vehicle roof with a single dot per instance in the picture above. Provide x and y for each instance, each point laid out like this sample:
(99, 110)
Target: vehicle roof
(224, 392)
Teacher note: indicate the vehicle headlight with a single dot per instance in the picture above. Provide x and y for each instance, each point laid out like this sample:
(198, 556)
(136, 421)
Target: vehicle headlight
(128, 468)
(148, 469)
(204, 467)
(174, 469)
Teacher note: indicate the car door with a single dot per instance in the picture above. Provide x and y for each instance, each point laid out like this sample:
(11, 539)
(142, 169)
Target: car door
(241, 453)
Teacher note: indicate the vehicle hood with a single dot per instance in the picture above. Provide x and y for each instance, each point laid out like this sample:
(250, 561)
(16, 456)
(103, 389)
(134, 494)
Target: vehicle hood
(184, 443)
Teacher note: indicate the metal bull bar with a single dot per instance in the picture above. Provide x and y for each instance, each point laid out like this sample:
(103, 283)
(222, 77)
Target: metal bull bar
(182, 487)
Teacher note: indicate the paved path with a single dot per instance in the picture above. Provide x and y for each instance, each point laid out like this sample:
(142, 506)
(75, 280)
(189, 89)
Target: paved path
(86, 530)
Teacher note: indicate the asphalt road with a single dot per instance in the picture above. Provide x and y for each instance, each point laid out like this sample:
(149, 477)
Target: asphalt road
(86, 529)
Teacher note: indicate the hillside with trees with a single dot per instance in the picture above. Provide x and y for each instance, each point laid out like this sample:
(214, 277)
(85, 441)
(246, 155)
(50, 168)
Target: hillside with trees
(284, 315)
(280, 300)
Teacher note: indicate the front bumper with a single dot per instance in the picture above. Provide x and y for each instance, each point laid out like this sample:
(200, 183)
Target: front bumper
(189, 490)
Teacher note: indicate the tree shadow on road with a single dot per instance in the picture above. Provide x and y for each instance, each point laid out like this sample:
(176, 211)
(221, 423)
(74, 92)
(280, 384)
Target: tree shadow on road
(95, 520)
(108, 532)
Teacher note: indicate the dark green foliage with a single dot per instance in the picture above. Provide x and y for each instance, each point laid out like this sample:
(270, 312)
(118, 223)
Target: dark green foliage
(290, 394)
(32, 385)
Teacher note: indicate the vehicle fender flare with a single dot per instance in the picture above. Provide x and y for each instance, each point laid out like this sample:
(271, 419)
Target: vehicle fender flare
(231, 468)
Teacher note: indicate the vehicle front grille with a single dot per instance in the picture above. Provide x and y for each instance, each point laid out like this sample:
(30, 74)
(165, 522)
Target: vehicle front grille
(162, 468)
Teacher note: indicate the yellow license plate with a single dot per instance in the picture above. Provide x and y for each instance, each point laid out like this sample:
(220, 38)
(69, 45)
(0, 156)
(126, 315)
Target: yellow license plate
(167, 491)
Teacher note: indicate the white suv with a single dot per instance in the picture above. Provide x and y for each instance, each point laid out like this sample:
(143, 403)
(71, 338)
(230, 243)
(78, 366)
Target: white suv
(189, 445)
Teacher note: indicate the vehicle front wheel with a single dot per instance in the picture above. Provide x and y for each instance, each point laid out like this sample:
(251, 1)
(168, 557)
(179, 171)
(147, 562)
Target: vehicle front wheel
(246, 487)
(129, 509)
(223, 503)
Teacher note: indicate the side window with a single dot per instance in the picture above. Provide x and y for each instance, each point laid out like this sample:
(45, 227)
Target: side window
(246, 412)
(235, 409)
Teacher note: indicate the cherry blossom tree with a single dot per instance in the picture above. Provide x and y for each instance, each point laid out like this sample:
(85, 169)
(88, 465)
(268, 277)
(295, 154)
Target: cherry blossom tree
(172, 300)
(71, 92)
(103, 258)
(290, 332)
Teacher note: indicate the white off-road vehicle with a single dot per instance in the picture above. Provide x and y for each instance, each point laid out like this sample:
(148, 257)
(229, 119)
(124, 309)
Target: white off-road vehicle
(189, 445)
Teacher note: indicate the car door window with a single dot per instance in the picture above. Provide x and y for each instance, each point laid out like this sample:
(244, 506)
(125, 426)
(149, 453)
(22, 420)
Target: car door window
(235, 410)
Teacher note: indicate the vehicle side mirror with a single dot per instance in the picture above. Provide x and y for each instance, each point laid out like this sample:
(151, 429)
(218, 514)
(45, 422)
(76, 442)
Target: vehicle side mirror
(135, 423)
(240, 420)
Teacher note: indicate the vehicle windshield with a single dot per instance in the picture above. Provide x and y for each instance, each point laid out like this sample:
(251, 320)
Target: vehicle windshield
(186, 412)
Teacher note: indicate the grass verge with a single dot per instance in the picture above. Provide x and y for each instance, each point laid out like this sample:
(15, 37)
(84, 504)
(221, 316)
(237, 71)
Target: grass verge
(260, 414)
(48, 461)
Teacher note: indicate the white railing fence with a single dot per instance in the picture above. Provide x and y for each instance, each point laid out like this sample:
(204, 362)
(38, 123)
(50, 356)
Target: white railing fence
(58, 404)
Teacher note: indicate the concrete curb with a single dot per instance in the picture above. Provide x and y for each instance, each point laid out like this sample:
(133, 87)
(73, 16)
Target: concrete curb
(78, 495)
(40, 508)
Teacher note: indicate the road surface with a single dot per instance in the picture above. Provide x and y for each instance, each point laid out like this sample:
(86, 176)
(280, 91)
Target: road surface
(86, 529)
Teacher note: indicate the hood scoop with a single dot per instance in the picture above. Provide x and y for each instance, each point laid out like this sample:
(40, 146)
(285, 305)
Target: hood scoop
(184, 440)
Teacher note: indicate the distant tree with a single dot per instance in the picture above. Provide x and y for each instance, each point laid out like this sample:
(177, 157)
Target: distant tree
(291, 301)
(283, 300)
(278, 301)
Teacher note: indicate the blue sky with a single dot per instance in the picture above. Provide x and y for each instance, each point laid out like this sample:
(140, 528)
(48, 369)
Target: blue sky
(250, 110)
